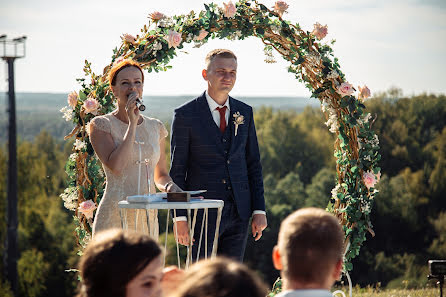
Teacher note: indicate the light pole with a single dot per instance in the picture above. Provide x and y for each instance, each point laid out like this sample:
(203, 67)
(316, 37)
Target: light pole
(9, 51)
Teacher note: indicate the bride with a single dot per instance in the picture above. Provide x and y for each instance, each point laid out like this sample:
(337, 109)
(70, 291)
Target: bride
(131, 148)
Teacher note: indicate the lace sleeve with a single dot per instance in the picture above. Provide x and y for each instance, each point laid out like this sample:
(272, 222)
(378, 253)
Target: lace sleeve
(162, 129)
(100, 123)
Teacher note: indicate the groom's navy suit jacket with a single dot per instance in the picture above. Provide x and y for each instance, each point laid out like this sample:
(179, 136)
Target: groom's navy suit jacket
(199, 160)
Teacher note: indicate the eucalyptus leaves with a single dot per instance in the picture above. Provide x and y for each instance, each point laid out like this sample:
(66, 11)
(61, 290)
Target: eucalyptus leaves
(311, 62)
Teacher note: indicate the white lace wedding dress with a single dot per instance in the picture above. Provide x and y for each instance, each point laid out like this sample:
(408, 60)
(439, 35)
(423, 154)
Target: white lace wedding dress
(118, 187)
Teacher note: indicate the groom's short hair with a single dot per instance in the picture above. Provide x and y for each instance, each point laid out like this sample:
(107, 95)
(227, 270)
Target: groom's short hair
(218, 53)
(310, 243)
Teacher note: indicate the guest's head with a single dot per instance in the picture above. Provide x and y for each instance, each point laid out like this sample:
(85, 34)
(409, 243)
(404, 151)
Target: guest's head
(117, 263)
(126, 77)
(220, 70)
(220, 278)
(309, 251)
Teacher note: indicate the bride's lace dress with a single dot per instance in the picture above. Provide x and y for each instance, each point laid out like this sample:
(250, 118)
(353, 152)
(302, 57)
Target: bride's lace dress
(146, 150)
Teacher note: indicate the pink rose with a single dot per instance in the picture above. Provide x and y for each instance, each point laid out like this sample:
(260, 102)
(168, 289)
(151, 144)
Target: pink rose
(345, 89)
(128, 38)
(173, 39)
(320, 31)
(91, 105)
(229, 10)
(280, 7)
(203, 33)
(72, 99)
(87, 208)
(378, 176)
(369, 179)
(156, 16)
(118, 60)
(364, 92)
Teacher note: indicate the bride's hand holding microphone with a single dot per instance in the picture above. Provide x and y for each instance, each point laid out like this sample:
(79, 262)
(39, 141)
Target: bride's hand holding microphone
(133, 107)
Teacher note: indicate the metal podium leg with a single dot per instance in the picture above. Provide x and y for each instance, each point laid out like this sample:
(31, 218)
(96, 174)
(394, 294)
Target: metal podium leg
(150, 228)
(192, 231)
(217, 227)
(176, 241)
(201, 236)
(165, 241)
(189, 247)
(123, 215)
(136, 219)
(206, 234)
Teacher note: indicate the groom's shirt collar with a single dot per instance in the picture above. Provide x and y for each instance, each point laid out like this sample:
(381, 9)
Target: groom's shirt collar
(213, 105)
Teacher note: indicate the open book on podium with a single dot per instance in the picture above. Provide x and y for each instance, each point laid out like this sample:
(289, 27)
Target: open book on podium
(184, 196)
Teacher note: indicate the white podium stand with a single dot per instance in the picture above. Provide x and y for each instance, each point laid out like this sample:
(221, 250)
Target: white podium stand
(193, 204)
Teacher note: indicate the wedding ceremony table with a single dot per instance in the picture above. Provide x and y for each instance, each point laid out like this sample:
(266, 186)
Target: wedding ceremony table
(193, 204)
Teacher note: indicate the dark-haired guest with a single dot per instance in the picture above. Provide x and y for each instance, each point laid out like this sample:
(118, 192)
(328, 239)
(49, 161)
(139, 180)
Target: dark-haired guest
(121, 264)
(220, 277)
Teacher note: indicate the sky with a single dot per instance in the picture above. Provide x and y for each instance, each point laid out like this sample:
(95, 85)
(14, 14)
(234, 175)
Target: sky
(379, 43)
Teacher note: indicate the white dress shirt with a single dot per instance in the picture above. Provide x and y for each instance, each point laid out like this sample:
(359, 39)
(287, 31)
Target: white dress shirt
(216, 116)
(214, 111)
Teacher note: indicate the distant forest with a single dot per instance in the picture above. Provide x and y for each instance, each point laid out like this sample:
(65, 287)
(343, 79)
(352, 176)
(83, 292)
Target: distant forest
(408, 216)
(40, 111)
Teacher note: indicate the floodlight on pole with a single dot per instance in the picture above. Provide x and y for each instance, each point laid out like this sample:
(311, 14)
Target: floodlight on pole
(12, 49)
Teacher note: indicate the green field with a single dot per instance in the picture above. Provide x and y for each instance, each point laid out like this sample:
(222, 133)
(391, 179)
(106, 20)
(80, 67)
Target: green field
(373, 292)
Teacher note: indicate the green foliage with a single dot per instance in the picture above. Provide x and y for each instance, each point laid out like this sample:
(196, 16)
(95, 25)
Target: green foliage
(438, 246)
(33, 271)
(5, 289)
(409, 211)
(294, 142)
(45, 243)
(319, 191)
(276, 289)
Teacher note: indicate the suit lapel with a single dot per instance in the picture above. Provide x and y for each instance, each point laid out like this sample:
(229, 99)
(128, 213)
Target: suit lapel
(208, 121)
(234, 107)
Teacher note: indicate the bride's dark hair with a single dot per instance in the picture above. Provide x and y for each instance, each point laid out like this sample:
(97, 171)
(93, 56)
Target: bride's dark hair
(112, 259)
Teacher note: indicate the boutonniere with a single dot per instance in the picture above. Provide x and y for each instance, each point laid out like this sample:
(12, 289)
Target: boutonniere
(238, 120)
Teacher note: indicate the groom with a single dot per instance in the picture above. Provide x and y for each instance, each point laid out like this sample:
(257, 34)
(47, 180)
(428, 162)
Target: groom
(214, 147)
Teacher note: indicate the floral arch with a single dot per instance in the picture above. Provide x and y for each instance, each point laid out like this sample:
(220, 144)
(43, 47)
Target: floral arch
(311, 61)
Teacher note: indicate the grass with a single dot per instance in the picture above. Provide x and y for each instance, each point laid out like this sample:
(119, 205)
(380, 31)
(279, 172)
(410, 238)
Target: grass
(378, 292)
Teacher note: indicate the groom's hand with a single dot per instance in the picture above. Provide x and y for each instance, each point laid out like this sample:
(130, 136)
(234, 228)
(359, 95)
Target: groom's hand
(174, 188)
(181, 232)
(258, 225)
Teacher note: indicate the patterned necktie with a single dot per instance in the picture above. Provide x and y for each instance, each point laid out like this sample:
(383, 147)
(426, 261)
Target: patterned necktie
(222, 111)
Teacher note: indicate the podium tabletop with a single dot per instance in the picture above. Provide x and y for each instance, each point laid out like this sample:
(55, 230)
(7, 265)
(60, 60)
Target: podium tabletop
(193, 204)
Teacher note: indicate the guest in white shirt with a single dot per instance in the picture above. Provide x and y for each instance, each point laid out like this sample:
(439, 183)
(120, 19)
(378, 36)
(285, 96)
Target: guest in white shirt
(309, 253)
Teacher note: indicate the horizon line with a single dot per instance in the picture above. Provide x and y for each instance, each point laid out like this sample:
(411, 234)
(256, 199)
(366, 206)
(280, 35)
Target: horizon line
(171, 95)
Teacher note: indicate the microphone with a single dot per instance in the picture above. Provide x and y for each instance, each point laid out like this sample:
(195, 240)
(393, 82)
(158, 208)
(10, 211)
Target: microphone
(139, 103)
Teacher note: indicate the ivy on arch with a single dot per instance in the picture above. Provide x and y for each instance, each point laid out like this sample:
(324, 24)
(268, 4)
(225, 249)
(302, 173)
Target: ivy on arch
(311, 61)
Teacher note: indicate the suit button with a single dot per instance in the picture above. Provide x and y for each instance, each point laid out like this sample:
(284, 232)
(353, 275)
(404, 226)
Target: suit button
(223, 181)
(229, 188)
(228, 162)
(226, 151)
(224, 139)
